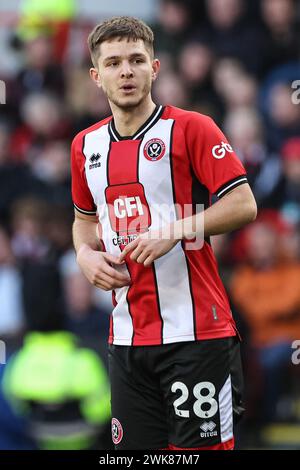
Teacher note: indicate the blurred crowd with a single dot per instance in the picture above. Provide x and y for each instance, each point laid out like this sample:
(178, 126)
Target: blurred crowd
(235, 60)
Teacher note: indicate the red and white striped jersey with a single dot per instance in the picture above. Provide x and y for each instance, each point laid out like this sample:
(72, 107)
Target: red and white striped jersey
(176, 158)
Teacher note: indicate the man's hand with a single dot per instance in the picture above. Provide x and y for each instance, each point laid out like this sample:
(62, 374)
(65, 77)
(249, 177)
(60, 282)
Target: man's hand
(148, 247)
(96, 266)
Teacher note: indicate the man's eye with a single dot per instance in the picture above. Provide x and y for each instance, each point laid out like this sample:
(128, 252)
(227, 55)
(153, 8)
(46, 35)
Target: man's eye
(138, 61)
(112, 64)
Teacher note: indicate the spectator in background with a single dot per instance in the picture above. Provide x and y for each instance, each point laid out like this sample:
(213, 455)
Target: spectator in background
(13, 428)
(62, 389)
(170, 89)
(85, 103)
(51, 168)
(59, 229)
(234, 86)
(55, 17)
(29, 239)
(40, 72)
(281, 114)
(265, 291)
(44, 120)
(231, 34)
(195, 65)
(285, 116)
(37, 259)
(83, 317)
(16, 178)
(280, 38)
(174, 26)
(245, 130)
(11, 310)
(288, 195)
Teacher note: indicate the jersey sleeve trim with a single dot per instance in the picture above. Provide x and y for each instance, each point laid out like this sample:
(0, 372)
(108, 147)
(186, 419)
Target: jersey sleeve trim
(83, 211)
(233, 183)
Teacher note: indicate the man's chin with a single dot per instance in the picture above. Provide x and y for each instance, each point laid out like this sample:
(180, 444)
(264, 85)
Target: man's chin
(128, 102)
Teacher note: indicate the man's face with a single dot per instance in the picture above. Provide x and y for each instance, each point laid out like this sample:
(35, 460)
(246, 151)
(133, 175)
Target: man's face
(125, 72)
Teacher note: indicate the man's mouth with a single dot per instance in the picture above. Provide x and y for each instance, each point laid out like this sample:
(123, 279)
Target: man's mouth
(128, 88)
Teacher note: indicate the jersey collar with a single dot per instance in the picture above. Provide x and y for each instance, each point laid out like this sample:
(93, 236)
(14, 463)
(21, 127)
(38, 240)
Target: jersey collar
(155, 116)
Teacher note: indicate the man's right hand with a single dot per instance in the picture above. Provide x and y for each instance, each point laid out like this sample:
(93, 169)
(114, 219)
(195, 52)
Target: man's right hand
(96, 266)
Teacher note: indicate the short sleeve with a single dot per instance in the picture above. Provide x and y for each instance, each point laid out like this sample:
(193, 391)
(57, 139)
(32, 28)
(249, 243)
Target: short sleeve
(213, 160)
(81, 195)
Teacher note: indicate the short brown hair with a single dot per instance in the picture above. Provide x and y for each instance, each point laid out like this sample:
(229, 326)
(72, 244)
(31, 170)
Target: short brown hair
(119, 27)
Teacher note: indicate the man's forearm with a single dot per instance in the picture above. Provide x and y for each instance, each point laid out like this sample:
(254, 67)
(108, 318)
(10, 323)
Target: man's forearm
(222, 217)
(85, 234)
(229, 213)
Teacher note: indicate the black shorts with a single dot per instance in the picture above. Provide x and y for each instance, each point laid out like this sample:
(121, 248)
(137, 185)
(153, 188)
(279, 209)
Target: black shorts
(177, 396)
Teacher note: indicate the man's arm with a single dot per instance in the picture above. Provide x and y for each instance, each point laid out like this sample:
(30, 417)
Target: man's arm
(235, 209)
(84, 232)
(95, 264)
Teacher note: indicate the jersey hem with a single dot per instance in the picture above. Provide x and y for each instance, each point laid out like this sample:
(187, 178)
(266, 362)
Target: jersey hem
(172, 339)
(227, 445)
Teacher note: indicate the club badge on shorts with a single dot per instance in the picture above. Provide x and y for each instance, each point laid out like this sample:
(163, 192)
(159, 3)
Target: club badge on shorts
(154, 150)
(116, 431)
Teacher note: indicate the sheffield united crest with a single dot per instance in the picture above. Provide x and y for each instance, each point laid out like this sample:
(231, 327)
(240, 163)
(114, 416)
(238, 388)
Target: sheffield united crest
(154, 150)
(116, 431)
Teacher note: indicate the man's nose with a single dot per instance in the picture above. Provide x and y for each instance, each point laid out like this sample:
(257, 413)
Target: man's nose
(126, 71)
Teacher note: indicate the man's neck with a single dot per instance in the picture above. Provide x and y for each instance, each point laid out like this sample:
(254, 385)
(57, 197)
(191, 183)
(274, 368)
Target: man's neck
(127, 122)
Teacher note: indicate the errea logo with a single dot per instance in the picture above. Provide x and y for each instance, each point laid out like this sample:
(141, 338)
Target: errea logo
(94, 161)
(208, 428)
(219, 151)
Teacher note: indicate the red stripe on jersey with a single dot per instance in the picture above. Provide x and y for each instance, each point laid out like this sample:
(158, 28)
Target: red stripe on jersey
(210, 303)
(111, 328)
(212, 306)
(143, 300)
(142, 295)
(114, 302)
(228, 445)
(123, 162)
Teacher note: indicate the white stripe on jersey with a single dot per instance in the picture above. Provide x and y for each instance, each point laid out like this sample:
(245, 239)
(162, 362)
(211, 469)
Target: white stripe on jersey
(122, 322)
(226, 411)
(171, 269)
(100, 139)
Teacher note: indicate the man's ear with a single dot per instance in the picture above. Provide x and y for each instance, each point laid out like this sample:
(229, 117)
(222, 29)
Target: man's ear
(94, 74)
(155, 68)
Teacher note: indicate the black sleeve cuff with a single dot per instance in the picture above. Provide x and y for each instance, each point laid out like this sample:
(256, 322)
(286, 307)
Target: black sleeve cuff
(83, 211)
(230, 185)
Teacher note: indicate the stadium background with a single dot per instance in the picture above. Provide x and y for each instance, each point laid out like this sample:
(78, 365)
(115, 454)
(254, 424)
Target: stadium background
(235, 60)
